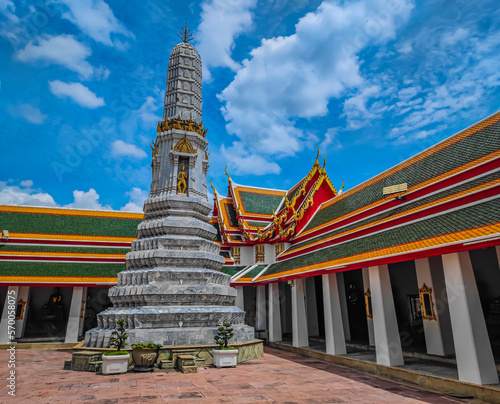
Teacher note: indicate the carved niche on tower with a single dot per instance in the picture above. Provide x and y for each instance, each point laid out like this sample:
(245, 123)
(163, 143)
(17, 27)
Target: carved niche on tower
(184, 158)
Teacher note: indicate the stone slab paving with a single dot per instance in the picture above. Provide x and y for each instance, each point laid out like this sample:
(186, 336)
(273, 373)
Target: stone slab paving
(278, 377)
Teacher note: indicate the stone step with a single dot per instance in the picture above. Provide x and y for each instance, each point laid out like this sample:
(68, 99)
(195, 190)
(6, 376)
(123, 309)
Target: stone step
(186, 364)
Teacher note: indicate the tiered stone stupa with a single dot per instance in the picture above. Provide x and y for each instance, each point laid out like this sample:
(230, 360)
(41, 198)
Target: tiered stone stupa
(173, 291)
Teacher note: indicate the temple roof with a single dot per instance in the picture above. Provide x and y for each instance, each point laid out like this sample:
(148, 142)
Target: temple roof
(253, 214)
(451, 203)
(64, 246)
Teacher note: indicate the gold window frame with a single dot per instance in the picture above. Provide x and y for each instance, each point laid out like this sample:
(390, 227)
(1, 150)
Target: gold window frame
(259, 253)
(235, 253)
(21, 303)
(279, 248)
(368, 303)
(427, 305)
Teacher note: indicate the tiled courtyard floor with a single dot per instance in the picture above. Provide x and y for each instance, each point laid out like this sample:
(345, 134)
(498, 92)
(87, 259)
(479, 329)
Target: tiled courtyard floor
(279, 376)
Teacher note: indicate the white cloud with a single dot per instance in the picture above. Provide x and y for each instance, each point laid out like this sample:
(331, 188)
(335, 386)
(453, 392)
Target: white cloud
(63, 50)
(137, 197)
(148, 110)
(356, 110)
(330, 141)
(87, 200)
(297, 75)
(24, 195)
(244, 162)
(221, 22)
(8, 9)
(418, 135)
(451, 38)
(28, 112)
(26, 183)
(120, 148)
(77, 92)
(464, 82)
(96, 19)
(405, 48)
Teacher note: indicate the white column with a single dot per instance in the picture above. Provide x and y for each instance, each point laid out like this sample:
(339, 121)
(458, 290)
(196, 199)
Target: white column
(472, 345)
(369, 321)
(74, 315)
(438, 335)
(300, 337)
(311, 307)
(343, 306)
(12, 293)
(240, 301)
(82, 312)
(260, 320)
(385, 324)
(23, 295)
(274, 313)
(334, 330)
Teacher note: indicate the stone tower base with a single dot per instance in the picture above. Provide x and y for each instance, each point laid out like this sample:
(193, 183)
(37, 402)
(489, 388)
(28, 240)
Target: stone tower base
(168, 337)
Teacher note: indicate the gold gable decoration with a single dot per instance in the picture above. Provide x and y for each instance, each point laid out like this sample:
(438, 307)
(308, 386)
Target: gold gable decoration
(184, 146)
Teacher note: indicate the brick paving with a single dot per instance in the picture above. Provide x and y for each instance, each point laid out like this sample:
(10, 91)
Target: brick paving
(278, 377)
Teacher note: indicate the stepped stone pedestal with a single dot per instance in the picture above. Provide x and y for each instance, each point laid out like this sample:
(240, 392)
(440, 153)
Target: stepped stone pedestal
(175, 295)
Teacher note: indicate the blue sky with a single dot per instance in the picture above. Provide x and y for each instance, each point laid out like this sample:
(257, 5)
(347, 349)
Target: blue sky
(371, 82)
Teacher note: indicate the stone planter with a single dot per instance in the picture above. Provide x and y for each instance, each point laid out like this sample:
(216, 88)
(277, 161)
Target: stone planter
(225, 357)
(144, 359)
(114, 364)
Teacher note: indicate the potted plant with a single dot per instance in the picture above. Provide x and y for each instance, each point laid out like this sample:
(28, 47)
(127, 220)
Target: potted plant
(114, 362)
(224, 356)
(145, 356)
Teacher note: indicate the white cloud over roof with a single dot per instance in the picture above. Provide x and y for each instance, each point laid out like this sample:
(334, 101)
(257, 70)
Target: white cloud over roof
(295, 76)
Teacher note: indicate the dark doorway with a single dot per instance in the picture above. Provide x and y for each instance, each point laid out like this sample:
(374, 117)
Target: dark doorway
(354, 291)
(404, 291)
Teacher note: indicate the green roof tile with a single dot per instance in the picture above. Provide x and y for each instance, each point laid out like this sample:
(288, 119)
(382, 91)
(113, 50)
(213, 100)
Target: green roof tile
(232, 215)
(66, 224)
(254, 272)
(231, 270)
(260, 203)
(35, 269)
(405, 207)
(477, 145)
(58, 249)
(467, 218)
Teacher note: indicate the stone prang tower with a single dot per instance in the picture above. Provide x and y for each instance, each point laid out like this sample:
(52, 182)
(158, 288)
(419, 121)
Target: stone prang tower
(173, 291)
